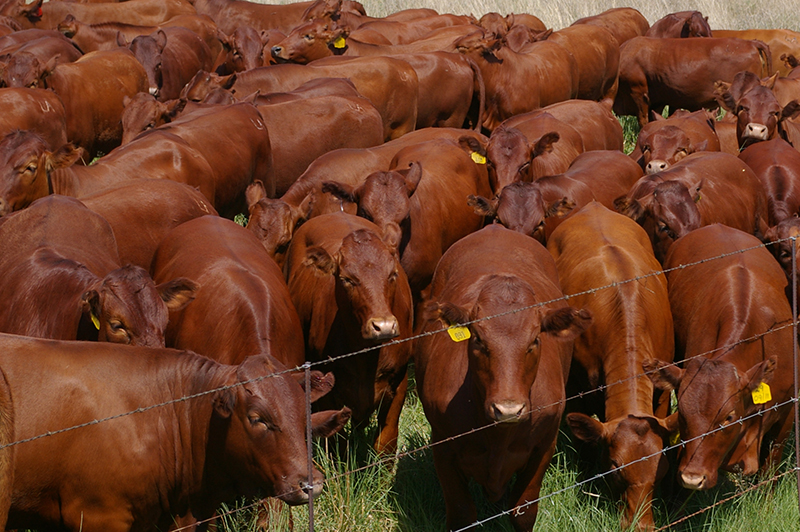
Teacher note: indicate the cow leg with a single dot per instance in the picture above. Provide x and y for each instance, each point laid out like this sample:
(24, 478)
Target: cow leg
(389, 420)
(459, 506)
(527, 488)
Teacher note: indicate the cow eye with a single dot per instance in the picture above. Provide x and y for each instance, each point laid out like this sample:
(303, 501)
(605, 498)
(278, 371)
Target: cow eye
(116, 326)
(729, 419)
(524, 166)
(785, 254)
(347, 281)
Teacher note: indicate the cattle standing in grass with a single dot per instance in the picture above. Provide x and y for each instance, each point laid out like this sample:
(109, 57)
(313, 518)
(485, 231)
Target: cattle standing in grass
(632, 323)
(665, 141)
(506, 378)
(721, 308)
(240, 435)
(351, 293)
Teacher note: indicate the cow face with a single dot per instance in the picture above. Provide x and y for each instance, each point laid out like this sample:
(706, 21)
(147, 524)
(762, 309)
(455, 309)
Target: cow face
(783, 250)
(24, 69)
(25, 165)
(712, 394)
(521, 207)
(244, 49)
(126, 307)
(510, 155)
(262, 423)
(504, 351)
(313, 40)
(628, 441)
(143, 112)
(147, 49)
(366, 271)
(664, 147)
(204, 83)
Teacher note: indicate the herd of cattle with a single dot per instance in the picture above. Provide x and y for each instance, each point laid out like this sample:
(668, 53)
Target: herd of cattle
(358, 147)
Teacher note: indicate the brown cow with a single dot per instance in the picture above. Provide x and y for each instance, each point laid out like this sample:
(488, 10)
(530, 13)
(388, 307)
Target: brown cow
(244, 49)
(37, 110)
(784, 232)
(405, 32)
(171, 57)
(142, 211)
(424, 195)
(23, 65)
(759, 115)
(632, 323)
(681, 73)
(230, 14)
(351, 293)
(724, 364)
(390, 84)
(536, 209)
(237, 278)
(777, 166)
(499, 25)
(681, 25)
(665, 141)
(624, 23)
(145, 12)
(240, 435)
(780, 41)
(702, 189)
(517, 82)
(61, 279)
(509, 385)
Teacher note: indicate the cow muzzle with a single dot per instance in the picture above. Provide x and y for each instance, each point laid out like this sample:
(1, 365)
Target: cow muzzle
(655, 166)
(756, 131)
(381, 328)
(694, 481)
(277, 52)
(153, 92)
(507, 411)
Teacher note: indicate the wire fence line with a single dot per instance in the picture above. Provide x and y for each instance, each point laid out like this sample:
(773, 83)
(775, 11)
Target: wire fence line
(308, 365)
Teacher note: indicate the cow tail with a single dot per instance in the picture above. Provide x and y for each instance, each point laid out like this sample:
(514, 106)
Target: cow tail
(766, 57)
(478, 80)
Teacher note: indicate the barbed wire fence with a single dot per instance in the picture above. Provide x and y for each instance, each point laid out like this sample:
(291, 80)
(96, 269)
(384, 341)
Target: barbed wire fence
(308, 366)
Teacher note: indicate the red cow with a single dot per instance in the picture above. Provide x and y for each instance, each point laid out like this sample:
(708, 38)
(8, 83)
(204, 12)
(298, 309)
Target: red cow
(231, 14)
(777, 166)
(61, 279)
(624, 23)
(510, 386)
(240, 435)
(47, 15)
(780, 41)
(37, 110)
(351, 294)
(665, 141)
(23, 65)
(724, 366)
(237, 278)
(517, 82)
(681, 25)
(243, 50)
(759, 115)
(681, 73)
(632, 323)
(499, 25)
(702, 189)
(142, 211)
(784, 232)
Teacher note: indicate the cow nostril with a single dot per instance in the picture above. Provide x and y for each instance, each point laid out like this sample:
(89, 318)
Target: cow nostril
(276, 50)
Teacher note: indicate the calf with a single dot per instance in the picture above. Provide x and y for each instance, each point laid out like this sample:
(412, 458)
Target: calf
(665, 141)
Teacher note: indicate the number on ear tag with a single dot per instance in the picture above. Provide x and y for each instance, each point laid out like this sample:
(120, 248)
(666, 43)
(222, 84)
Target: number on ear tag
(478, 158)
(762, 394)
(458, 333)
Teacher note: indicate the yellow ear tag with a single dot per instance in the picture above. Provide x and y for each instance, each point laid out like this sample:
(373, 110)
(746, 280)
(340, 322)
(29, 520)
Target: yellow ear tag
(339, 42)
(762, 394)
(675, 439)
(95, 321)
(458, 333)
(478, 158)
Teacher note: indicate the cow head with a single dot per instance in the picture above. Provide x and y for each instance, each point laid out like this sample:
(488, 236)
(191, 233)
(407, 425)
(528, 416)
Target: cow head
(322, 9)
(510, 155)
(148, 49)
(258, 432)
(366, 271)
(696, 25)
(479, 44)
(757, 110)
(521, 207)
(24, 69)
(25, 166)
(384, 199)
(21, 9)
(495, 24)
(274, 221)
(664, 147)
(69, 26)
(203, 83)
(126, 307)
(628, 440)
(143, 112)
(312, 40)
(244, 48)
(712, 394)
(504, 351)
(783, 250)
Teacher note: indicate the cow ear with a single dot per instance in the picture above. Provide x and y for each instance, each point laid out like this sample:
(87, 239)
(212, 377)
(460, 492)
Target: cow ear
(566, 322)
(701, 146)
(483, 206)
(471, 145)
(559, 207)
(632, 208)
(391, 234)
(254, 193)
(771, 236)
(665, 377)
(791, 110)
(161, 40)
(320, 259)
(226, 82)
(342, 191)
(412, 176)
(321, 383)
(126, 100)
(770, 81)
(760, 373)
(722, 93)
(448, 312)
(65, 156)
(178, 293)
(121, 40)
(655, 117)
(303, 212)
(544, 144)
(224, 402)
(586, 428)
(90, 304)
(227, 42)
(174, 108)
(669, 424)
(327, 423)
